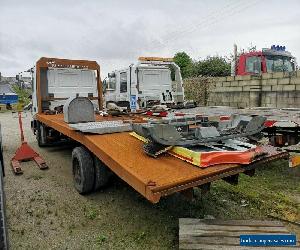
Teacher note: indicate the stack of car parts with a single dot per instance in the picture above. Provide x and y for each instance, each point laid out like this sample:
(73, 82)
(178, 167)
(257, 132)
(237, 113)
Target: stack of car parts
(201, 146)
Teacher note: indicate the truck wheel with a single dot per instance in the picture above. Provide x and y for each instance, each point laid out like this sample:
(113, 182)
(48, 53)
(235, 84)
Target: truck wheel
(41, 136)
(3, 228)
(83, 170)
(102, 174)
(1, 153)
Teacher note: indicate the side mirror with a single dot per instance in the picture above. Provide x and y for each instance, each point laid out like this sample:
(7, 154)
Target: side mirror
(104, 85)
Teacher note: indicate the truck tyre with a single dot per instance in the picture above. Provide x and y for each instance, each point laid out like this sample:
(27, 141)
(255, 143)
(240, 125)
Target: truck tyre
(102, 174)
(1, 152)
(41, 136)
(3, 228)
(83, 170)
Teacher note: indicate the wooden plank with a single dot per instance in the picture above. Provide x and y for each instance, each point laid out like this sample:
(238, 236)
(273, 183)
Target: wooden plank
(223, 233)
(218, 240)
(266, 223)
(218, 247)
(219, 234)
(213, 239)
(233, 228)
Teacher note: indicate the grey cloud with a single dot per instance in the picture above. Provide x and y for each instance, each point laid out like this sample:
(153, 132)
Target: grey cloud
(116, 32)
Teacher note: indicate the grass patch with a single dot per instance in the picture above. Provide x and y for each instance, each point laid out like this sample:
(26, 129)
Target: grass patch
(4, 111)
(141, 236)
(91, 214)
(37, 177)
(100, 239)
(269, 192)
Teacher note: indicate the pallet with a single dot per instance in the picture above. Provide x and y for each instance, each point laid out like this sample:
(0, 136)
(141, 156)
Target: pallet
(3, 107)
(225, 234)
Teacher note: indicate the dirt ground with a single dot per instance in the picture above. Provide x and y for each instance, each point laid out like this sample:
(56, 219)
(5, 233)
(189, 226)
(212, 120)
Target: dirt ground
(45, 212)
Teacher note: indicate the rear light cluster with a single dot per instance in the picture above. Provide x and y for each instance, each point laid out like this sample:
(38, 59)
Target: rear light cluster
(269, 123)
(224, 118)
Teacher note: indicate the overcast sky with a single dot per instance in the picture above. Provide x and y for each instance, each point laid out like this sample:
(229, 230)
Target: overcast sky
(115, 33)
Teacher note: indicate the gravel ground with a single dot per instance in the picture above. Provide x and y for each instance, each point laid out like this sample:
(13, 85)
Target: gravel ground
(45, 212)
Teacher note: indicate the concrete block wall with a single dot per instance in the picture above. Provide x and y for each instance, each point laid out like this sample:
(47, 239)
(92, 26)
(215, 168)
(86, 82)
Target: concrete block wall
(281, 90)
(197, 89)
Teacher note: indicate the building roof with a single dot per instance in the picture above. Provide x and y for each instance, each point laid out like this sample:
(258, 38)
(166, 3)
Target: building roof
(6, 89)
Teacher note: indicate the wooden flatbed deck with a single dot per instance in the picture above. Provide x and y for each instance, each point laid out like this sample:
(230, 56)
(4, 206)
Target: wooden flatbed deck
(152, 178)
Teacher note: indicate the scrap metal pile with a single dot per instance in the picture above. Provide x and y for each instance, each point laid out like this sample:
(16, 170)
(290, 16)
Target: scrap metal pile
(182, 134)
(201, 142)
(282, 127)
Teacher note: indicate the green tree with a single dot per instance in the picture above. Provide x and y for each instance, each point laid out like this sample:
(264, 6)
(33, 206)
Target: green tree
(212, 66)
(184, 61)
(23, 94)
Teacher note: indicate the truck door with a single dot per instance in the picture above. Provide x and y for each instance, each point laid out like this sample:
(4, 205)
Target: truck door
(66, 82)
(110, 92)
(253, 65)
(156, 84)
(124, 88)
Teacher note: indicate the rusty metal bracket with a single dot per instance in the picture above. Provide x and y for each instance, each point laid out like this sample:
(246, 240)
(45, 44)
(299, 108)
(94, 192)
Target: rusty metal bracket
(250, 172)
(205, 188)
(233, 179)
(188, 193)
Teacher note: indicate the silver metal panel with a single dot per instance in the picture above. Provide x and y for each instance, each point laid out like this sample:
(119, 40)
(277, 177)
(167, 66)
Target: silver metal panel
(238, 145)
(106, 127)
(79, 109)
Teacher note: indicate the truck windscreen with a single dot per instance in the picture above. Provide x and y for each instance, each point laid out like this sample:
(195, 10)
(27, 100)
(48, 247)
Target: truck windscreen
(279, 64)
(111, 84)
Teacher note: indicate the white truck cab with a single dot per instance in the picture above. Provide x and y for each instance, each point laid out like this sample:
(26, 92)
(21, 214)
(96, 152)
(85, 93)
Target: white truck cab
(152, 80)
(54, 81)
(61, 83)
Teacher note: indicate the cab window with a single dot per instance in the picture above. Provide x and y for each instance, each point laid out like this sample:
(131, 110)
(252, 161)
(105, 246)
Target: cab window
(279, 64)
(123, 82)
(253, 64)
(111, 83)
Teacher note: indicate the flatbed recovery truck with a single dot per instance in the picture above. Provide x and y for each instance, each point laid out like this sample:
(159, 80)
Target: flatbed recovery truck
(121, 153)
